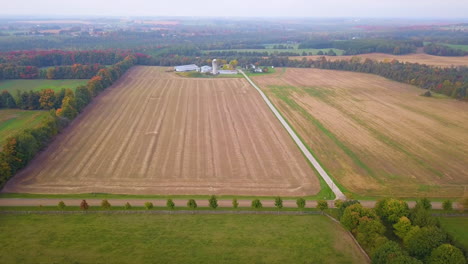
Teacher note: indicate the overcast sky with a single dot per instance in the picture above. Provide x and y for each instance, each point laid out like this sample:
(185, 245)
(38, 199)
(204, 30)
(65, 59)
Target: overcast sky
(256, 8)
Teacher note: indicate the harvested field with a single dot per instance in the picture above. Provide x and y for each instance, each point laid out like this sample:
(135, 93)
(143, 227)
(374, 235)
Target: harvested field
(375, 136)
(420, 58)
(157, 133)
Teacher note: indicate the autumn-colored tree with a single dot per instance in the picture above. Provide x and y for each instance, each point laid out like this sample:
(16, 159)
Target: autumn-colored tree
(402, 227)
(84, 205)
(47, 99)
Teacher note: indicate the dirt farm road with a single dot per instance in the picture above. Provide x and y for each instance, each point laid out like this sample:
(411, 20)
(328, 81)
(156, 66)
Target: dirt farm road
(177, 202)
(302, 147)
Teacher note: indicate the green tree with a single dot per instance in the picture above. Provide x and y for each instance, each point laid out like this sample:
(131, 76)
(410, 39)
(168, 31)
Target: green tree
(337, 203)
(391, 210)
(402, 227)
(149, 205)
(370, 233)
(278, 202)
(447, 253)
(423, 203)
(422, 242)
(345, 205)
(105, 204)
(170, 204)
(353, 214)
(301, 203)
(422, 217)
(387, 252)
(235, 203)
(447, 205)
(257, 204)
(322, 205)
(404, 260)
(213, 202)
(127, 206)
(61, 205)
(192, 204)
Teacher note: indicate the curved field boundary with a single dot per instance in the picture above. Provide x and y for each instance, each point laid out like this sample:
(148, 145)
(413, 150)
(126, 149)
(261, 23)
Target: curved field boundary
(302, 147)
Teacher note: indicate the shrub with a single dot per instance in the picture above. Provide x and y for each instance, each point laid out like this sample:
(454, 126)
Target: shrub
(256, 203)
(391, 210)
(105, 204)
(84, 205)
(235, 203)
(127, 206)
(423, 203)
(278, 202)
(61, 205)
(213, 202)
(149, 205)
(322, 205)
(423, 241)
(447, 253)
(170, 204)
(387, 252)
(192, 204)
(447, 205)
(301, 203)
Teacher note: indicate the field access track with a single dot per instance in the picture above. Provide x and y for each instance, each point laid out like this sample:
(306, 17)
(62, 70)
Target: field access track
(156, 133)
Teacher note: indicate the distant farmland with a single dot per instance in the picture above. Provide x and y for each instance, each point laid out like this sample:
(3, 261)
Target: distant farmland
(420, 58)
(157, 133)
(36, 85)
(375, 136)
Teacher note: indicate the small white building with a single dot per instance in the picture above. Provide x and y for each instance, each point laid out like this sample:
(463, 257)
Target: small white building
(205, 69)
(227, 72)
(258, 70)
(186, 68)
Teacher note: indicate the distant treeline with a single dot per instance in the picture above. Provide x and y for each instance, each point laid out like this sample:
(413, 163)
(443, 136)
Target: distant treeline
(64, 106)
(46, 58)
(442, 50)
(361, 46)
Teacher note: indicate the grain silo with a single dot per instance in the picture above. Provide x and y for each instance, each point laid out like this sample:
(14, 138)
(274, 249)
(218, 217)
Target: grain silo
(215, 66)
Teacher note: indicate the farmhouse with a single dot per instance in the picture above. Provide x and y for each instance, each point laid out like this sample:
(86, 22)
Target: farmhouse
(186, 68)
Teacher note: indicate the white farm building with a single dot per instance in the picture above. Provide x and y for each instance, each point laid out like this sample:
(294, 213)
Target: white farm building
(205, 69)
(186, 68)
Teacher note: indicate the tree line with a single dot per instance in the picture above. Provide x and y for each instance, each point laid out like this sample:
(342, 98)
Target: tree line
(75, 71)
(443, 50)
(64, 106)
(361, 46)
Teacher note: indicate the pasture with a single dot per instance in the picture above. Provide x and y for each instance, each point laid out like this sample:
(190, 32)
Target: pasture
(137, 238)
(39, 84)
(376, 137)
(157, 133)
(420, 58)
(456, 227)
(13, 121)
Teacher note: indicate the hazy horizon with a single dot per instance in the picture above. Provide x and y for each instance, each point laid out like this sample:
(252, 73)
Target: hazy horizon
(416, 9)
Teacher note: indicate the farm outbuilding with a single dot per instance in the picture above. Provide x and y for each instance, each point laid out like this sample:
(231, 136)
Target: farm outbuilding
(227, 72)
(186, 68)
(205, 69)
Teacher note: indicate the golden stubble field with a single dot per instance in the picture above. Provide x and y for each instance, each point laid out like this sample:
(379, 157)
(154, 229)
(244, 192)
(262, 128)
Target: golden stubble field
(156, 133)
(376, 136)
(420, 58)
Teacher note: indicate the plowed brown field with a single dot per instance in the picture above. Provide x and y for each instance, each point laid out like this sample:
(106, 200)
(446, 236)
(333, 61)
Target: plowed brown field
(155, 133)
(420, 58)
(376, 136)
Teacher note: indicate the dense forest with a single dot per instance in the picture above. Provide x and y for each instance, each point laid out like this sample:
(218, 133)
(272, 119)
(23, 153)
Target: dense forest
(360, 46)
(442, 50)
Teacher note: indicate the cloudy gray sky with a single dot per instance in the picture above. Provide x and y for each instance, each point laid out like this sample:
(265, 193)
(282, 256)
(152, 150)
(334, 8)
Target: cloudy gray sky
(258, 8)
